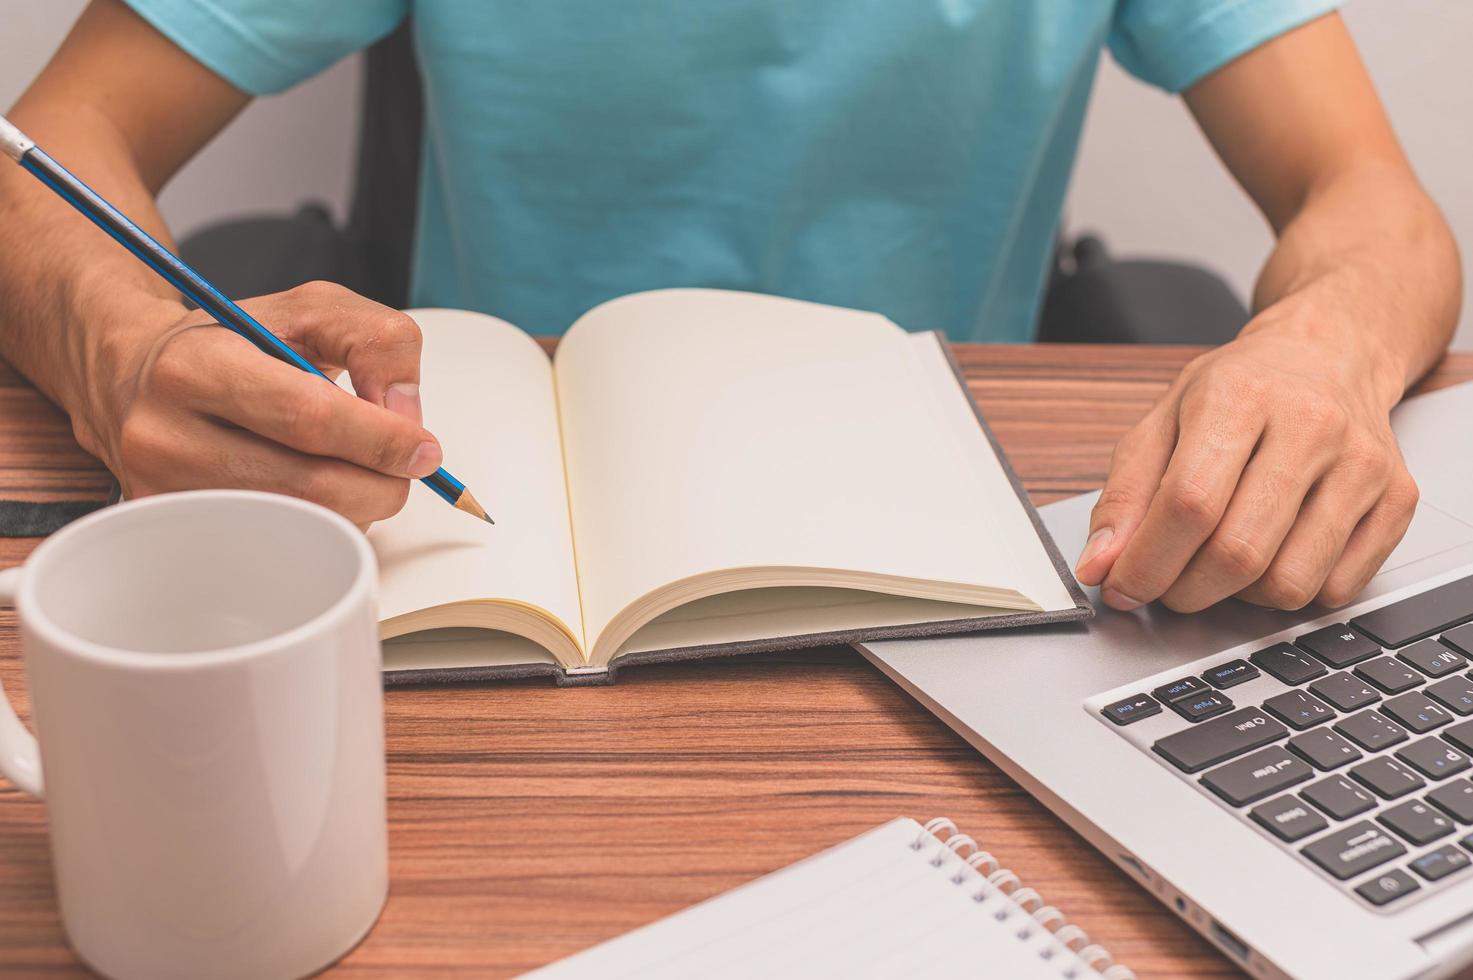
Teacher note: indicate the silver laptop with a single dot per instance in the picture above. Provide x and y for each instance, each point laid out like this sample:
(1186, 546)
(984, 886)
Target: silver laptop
(1296, 786)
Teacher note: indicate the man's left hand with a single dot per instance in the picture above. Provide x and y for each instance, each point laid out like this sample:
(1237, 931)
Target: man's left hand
(1268, 471)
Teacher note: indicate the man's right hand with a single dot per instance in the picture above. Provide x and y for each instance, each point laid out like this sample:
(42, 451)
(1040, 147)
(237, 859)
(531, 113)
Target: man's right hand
(183, 403)
(168, 399)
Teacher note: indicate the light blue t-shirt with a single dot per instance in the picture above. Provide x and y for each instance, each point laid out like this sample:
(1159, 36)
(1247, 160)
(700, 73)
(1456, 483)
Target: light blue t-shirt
(903, 156)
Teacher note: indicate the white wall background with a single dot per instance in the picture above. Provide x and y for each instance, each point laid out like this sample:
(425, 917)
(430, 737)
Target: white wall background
(1148, 182)
(1145, 180)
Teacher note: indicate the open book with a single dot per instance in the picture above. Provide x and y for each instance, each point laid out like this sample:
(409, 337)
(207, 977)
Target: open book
(700, 472)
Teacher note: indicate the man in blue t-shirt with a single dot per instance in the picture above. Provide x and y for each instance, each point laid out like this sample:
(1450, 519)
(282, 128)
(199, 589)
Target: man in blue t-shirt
(903, 156)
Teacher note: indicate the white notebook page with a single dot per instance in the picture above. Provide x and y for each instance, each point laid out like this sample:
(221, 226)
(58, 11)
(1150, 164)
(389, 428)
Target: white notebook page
(708, 430)
(488, 396)
(871, 907)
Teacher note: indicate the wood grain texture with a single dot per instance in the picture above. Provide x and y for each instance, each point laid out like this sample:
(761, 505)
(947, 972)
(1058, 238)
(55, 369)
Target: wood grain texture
(528, 822)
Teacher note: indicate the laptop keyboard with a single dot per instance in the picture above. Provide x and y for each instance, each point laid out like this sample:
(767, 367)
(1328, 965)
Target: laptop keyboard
(1351, 746)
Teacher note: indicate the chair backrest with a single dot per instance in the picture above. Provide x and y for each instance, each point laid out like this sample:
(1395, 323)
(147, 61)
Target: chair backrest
(385, 202)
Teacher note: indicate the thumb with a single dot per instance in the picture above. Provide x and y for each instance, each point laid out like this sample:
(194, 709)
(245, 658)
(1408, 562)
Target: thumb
(1136, 468)
(335, 327)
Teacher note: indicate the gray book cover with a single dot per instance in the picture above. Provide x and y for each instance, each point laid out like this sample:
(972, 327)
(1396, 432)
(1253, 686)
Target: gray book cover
(595, 676)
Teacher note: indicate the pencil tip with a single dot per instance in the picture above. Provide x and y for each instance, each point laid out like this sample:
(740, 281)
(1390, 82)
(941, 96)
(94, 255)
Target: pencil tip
(468, 503)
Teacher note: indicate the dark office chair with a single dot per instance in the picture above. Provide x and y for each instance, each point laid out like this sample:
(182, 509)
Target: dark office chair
(1090, 297)
(252, 256)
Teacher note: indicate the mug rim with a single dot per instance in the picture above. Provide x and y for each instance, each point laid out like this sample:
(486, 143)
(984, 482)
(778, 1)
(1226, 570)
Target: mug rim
(32, 617)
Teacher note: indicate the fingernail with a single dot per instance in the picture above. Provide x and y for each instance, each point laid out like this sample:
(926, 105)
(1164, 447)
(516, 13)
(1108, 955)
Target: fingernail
(426, 460)
(1096, 544)
(403, 399)
(1119, 600)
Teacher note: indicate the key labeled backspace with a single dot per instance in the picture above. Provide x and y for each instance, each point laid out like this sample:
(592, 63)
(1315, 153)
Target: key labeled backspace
(1348, 852)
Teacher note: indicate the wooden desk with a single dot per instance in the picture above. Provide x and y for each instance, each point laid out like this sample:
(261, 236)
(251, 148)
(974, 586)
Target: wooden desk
(528, 822)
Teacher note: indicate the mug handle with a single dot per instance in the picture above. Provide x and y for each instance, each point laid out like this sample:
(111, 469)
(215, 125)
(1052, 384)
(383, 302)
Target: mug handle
(20, 756)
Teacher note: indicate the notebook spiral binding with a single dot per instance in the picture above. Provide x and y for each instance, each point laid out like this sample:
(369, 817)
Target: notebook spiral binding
(997, 881)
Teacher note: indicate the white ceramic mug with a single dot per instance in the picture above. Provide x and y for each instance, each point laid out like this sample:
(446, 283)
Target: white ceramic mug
(205, 679)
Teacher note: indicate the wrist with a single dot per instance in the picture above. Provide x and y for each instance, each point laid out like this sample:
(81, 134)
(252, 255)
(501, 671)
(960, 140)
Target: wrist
(109, 340)
(1343, 338)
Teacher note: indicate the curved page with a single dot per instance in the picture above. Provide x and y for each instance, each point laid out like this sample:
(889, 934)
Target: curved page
(708, 430)
(488, 396)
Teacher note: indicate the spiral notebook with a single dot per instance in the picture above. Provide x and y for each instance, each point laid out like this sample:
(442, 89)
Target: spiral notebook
(901, 900)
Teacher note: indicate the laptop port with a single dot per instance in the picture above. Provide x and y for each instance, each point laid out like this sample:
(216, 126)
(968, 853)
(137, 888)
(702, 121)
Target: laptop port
(1229, 942)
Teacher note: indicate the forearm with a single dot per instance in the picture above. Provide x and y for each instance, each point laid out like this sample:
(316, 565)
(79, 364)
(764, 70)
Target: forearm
(1367, 265)
(63, 280)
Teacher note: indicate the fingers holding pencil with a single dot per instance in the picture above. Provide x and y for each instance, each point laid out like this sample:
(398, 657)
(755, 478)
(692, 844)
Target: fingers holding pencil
(212, 372)
(206, 410)
(384, 361)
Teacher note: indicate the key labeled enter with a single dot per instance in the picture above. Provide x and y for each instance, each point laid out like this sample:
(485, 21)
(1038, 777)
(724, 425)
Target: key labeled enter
(1256, 776)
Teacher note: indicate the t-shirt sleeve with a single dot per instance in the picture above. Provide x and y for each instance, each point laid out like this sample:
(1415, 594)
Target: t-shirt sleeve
(1174, 43)
(264, 46)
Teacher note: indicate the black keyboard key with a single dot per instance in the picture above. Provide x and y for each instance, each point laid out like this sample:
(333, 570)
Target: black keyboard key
(1338, 645)
(1460, 735)
(1347, 852)
(1255, 776)
(1414, 710)
(1416, 822)
(1386, 887)
(1453, 693)
(1338, 797)
(1180, 688)
(1455, 799)
(1219, 739)
(1345, 692)
(1288, 663)
(1298, 709)
(1389, 778)
(1389, 675)
(1200, 707)
(1131, 709)
(1438, 864)
(1433, 758)
(1230, 673)
(1288, 818)
(1323, 749)
(1460, 639)
(1420, 615)
(1371, 730)
(1432, 658)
